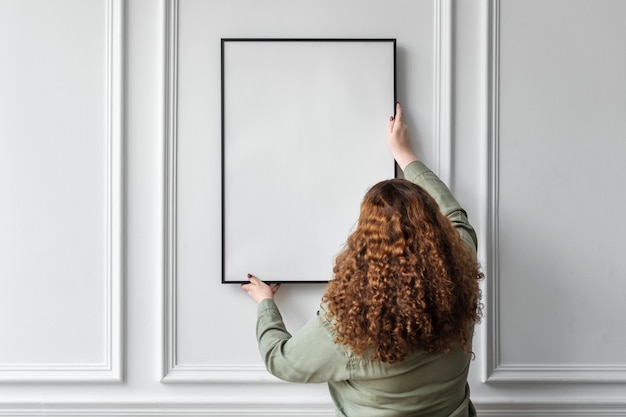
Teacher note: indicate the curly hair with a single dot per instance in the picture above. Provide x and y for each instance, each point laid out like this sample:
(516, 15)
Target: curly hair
(404, 280)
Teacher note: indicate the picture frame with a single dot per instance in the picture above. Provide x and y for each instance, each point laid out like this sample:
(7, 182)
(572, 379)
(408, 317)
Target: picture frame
(303, 138)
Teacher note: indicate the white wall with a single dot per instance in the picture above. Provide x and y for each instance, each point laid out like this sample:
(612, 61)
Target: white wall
(110, 265)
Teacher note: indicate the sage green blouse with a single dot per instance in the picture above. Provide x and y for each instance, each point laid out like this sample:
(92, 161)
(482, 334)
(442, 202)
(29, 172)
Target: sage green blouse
(424, 384)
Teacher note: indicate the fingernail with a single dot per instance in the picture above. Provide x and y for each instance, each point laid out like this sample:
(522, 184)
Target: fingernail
(249, 275)
(391, 119)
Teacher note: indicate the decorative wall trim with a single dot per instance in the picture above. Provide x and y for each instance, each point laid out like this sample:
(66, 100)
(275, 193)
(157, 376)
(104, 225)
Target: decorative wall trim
(558, 373)
(493, 369)
(174, 373)
(489, 243)
(295, 407)
(444, 34)
(232, 373)
(115, 187)
(111, 370)
(171, 137)
(214, 408)
(222, 374)
(558, 409)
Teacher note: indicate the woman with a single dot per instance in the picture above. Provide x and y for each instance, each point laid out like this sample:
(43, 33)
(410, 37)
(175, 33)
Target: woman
(393, 335)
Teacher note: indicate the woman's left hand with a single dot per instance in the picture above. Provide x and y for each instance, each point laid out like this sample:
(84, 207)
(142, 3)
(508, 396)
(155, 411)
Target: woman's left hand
(259, 290)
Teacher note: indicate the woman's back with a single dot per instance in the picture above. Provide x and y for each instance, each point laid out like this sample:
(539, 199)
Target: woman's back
(423, 384)
(394, 334)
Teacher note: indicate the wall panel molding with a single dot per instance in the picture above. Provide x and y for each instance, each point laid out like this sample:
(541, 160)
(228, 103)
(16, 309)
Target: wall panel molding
(489, 210)
(493, 369)
(561, 409)
(217, 407)
(444, 33)
(233, 373)
(115, 187)
(111, 369)
(293, 408)
(219, 374)
(170, 194)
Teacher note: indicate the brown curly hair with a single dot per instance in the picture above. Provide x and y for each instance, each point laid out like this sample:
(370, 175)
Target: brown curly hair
(405, 280)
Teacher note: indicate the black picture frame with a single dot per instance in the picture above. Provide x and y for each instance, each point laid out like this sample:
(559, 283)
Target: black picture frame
(261, 83)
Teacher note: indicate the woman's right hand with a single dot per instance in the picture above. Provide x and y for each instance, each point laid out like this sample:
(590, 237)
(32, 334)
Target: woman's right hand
(259, 290)
(398, 140)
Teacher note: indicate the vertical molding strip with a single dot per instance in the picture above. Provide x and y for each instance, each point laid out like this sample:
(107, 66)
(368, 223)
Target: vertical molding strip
(490, 138)
(115, 186)
(443, 90)
(111, 370)
(170, 238)
(494, 371)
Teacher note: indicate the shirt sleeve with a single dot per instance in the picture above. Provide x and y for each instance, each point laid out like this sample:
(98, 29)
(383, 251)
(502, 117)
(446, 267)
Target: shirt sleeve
(420, 174)
(308, 356)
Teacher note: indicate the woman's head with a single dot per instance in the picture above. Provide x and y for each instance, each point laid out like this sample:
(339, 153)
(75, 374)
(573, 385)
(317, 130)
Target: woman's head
(395, 212)
(405, 279)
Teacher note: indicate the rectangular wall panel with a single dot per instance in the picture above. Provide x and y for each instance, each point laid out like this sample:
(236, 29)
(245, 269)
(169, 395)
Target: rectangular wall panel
(556, 174)
(60, 173)
(193, 246)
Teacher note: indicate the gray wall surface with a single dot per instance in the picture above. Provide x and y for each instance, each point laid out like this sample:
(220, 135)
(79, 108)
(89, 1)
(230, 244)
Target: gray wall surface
(111, 301)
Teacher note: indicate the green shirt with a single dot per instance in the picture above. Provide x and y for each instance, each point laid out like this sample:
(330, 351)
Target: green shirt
(421, 385)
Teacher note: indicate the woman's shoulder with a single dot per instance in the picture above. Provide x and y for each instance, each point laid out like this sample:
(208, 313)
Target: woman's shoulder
(324, 317)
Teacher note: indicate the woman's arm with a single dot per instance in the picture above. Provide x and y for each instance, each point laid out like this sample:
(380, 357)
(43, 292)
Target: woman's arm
(415, 171)
(310, 355)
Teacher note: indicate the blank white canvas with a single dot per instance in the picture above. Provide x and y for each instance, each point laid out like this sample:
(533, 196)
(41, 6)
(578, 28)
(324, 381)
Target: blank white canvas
(304, 133)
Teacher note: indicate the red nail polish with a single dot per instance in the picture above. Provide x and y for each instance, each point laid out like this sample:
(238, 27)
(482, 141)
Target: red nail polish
(249, 275)
(391, 119)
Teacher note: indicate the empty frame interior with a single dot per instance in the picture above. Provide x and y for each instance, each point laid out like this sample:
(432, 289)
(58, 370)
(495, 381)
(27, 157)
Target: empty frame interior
(303, 138)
